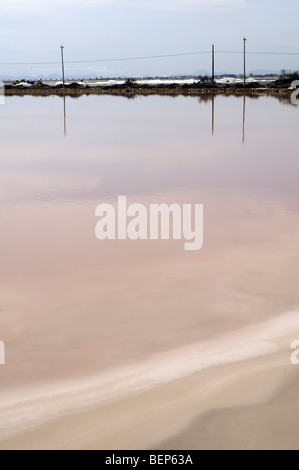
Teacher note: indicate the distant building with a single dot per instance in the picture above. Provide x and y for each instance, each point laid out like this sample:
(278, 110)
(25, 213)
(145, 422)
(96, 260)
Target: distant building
(283, 73)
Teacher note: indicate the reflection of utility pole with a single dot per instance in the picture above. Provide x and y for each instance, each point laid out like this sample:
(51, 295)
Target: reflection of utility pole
(213, 114)
(244, 118)
(64, 115)
(244, 61)
(213, 64)
(62, 63)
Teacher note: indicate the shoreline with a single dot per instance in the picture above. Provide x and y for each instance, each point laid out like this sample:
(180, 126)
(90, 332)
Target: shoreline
(247, 367)
(173, 91)
(154, 418)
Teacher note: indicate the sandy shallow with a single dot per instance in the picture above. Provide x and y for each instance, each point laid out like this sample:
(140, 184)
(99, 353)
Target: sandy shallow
(222, 393)
(267, 425)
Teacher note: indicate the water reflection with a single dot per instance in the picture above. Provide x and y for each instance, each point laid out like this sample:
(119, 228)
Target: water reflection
(64, 116)
(118, 146)
(213, 114)
(212, 99)
(201, 99)
(244, 119)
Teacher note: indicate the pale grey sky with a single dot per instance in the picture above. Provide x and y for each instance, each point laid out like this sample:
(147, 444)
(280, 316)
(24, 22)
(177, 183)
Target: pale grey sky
(33, 30)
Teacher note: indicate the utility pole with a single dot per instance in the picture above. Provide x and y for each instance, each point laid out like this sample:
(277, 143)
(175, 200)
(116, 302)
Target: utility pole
(244, 61)
(213, 64)
(62, 63)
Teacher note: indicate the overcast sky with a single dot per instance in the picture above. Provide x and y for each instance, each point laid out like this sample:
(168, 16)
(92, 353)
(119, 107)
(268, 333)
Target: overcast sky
(33, 31)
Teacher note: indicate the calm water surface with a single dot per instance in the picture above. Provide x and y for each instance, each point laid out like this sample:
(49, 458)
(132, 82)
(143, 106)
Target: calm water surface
(71, 305)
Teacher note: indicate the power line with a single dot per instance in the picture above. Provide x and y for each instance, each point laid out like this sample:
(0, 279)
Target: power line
(140, 58)
(257, 53)
(107, 60)
(120, 59)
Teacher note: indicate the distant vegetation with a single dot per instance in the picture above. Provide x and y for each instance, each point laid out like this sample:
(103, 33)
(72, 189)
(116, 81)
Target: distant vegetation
(130, 87)
(287, 80)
